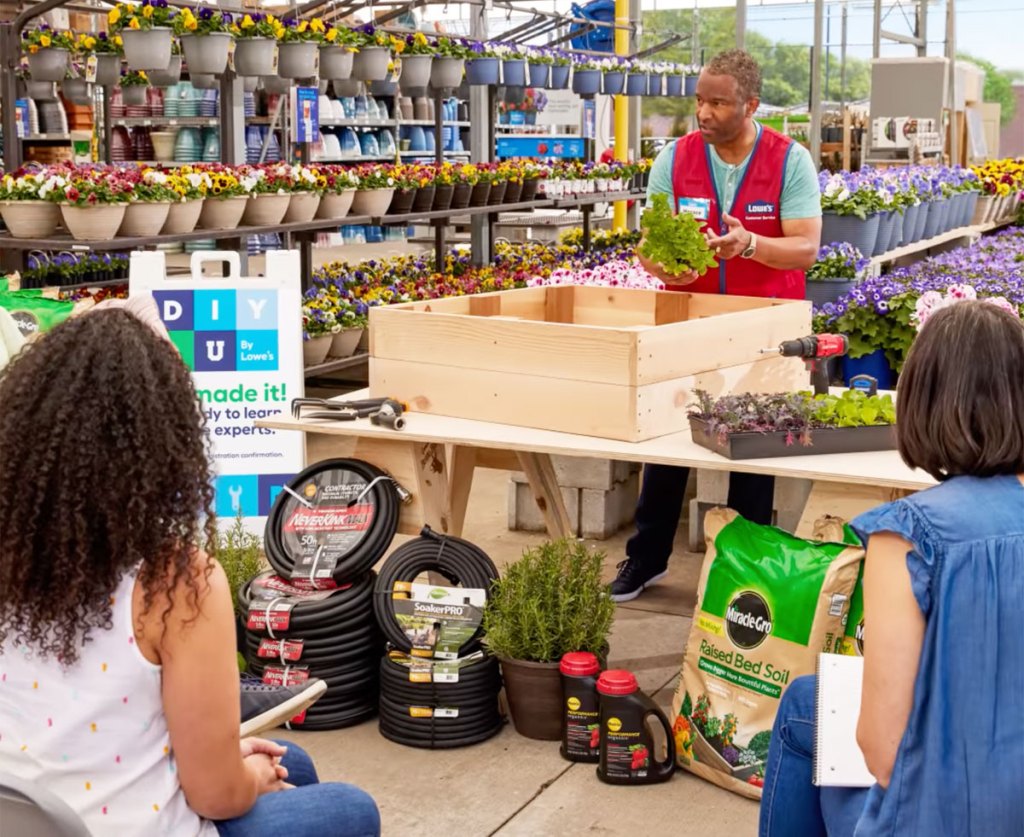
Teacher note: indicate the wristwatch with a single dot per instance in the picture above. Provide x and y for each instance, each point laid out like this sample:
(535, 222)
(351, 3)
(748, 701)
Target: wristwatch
(751, 248)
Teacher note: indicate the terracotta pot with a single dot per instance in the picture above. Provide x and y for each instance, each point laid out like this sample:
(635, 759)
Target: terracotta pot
(255, 56)
(222, 213)
(48, 64)
(93, 223)
(302, 208)
(147, 49)
(534, 692)
(481, 192)
(401, 201)
(443, 198)
(315, 349)
(207, 54)
(513, 192)
(335, 63)
(497, 195)
(373, 202)
(336, 205)
(183, 217)
(30, 219)
(461, 195)
(265, 210)
(344, 342)
(143, 218)
(297, 59)
(424, 199)
(135, 96)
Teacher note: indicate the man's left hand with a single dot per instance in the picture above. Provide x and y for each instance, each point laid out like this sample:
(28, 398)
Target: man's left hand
(734, 242)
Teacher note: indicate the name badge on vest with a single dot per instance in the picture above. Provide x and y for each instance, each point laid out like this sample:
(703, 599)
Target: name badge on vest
(699, 208)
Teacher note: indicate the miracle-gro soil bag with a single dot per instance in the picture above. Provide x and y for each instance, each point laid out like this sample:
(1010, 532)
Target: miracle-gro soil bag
(767, 604)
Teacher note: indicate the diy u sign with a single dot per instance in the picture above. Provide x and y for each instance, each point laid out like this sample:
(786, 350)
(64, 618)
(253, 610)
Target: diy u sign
(242, 339)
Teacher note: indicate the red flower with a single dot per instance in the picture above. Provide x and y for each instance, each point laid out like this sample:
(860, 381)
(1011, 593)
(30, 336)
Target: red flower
(72, 194)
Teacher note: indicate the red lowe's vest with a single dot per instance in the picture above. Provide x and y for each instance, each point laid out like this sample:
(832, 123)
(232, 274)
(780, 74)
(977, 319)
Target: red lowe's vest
(757, 205)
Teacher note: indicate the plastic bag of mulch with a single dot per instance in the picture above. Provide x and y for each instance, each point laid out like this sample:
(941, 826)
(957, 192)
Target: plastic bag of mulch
(768, 603)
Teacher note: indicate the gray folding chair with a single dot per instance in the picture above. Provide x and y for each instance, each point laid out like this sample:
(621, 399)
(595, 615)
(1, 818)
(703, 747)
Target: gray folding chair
(28, 810)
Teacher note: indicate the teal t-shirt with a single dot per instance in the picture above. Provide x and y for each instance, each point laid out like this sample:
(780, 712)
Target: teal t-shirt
(801, 197)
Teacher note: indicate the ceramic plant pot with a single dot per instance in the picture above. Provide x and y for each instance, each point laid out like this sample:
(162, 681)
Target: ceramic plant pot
(402, 201)
(255, 56)
(168, 77)
(343, 344)
(182, 217)
(143, 218)
(335, 63)
(372, 202)
(336, 205)
(222, 213)
(30, 219)
(204, 81)
(534, 692)
(147, 49)
(302, 208)
(265, 210)
(207, 54)
(93, 223)
(314, 350)
(297, 59)
(48, 64)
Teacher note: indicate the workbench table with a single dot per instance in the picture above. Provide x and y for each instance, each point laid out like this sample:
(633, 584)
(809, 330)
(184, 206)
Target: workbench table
(435, 457)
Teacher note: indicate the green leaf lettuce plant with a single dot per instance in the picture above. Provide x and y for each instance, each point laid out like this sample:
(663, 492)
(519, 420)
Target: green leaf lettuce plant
(674, 241)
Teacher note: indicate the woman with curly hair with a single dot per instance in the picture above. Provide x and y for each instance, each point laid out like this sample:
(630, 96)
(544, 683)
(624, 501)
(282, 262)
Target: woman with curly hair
(118, 676)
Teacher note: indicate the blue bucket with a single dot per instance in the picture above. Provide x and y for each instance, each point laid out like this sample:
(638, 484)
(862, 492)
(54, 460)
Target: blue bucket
(875, 364)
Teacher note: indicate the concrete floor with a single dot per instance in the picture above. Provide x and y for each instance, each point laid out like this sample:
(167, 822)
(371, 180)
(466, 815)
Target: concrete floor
(516, 787)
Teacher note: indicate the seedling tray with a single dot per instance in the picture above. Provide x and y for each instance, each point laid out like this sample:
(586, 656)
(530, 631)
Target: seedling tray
(763, 445)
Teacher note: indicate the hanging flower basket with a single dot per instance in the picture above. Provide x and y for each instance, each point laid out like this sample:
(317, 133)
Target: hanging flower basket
(371, 63)
(586, 82)
(336, 63)
(135, 95)
(315, 349)
(302, 208)
(265, 210)
(206, 54)
(513, 72)
(539, 74)
(636, 84)
(482, 71)
(77, 91)
(560, 76)
(108, 69)
(168, 77)
(41, 91)
(373, 202)
(614, 82)
(297, 59)
(49, 64)
(147, 49)
(446, 72)
(674, 85)
(255, 56)
(336, 205)
(222, 213)
(415, 71)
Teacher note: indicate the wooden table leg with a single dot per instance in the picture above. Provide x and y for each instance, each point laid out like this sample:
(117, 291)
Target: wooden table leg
(540, 474)
(432, 485)
(461, 467)
(843, 500)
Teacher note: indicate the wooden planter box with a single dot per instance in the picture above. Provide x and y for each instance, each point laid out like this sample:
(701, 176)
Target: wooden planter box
(825, 440)
(607, 362)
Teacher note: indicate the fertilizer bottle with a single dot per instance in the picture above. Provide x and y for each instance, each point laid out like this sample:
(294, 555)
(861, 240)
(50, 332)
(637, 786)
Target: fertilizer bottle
(581, 729)
(627, 746)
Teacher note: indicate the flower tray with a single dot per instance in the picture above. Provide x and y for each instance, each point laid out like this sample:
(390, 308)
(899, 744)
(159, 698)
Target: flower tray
(763, 445)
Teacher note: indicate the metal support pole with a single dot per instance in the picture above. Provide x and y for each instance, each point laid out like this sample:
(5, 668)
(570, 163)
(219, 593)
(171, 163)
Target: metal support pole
(842, 62)
(441, 223)
(922, 28)
(10, 50)
(828, 54)
(481, 139)
(741, 24)
(621, 105)
(877, 27)
(954, 127)
(819, 19)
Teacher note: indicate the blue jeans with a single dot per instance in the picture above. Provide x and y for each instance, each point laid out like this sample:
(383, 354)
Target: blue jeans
(310, 809)
(791, 805)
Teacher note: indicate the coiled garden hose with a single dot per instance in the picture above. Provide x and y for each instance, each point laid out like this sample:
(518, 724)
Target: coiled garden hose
(458, 560)
(334, 520)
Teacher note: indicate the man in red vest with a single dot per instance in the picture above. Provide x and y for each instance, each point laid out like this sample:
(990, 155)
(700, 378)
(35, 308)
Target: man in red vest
(756, 192)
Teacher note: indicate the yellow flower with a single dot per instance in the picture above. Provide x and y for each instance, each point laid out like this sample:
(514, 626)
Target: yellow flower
(279, 32)
(45, 41)
(317, 25)
(90, 42)
(147, 11)
(420, 39)
(192, 24)
(247, 22)
(33, 49)
(142, 75)
(332, 35)
(118, 40)
(302, 27)
(114, 16)
(133, 23)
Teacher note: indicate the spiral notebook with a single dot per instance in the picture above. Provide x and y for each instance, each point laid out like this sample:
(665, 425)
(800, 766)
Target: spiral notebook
(838, 761)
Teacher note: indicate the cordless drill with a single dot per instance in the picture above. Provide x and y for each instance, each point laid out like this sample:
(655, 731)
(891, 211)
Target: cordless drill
(815, 351)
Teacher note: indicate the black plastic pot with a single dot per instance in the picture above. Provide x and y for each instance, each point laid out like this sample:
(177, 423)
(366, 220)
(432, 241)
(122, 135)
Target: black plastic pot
(481, 192)
(424, 199)
(443, 198)
(497, 195)
(401, 203)
(513, 192)
(461, 195)
(529, 189)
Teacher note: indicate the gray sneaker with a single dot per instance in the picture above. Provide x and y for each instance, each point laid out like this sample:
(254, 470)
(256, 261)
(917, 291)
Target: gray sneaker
(265, 707)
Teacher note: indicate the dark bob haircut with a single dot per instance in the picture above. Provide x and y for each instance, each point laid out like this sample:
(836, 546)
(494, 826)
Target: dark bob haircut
(960, 400)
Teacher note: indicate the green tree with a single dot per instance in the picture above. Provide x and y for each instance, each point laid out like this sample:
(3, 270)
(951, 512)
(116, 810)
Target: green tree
(998, 86)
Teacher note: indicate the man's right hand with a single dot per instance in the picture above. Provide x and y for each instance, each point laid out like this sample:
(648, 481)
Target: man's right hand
(656, 269)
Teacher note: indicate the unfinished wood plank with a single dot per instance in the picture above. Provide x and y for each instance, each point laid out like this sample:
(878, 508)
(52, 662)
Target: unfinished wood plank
(525, 303)
(394, 456)
(709, 305)
(688, 348)
(671, 307)
(842, 500)
(461, 466)
(431, 468)
(600, 306)
(540, 474)
(486, 343)
(558, 304)
(498, 460)
(575, 406)
(484, 305)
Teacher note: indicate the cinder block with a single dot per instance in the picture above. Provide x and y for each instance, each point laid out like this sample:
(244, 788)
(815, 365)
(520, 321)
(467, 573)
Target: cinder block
(712, 487)
(525, 516)
(603, 513)
(587, 472)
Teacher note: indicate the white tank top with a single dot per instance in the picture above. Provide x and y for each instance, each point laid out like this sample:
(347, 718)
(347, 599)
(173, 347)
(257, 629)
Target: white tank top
(95, 733)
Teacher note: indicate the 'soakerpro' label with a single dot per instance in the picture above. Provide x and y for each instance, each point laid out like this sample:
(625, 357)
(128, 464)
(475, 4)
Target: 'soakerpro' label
(324, 520)
(425, 670)
(699, 208)
(433, 712)
(438, 620)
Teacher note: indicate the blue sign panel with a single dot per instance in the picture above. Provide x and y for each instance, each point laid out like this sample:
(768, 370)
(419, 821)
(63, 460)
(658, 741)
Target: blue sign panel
(564, 148)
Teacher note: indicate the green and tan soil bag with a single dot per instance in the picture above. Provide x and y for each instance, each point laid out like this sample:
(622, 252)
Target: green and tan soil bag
(767, 604)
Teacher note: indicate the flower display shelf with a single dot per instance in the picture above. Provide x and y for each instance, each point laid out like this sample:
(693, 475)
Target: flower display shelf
(337, 365)
(782, 443)
(607, 362)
